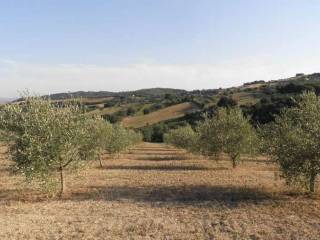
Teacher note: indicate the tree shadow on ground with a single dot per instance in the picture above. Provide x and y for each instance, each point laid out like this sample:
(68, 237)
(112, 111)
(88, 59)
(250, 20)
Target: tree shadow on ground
(163, 158)
(176, 194)
(256, 161)
(156, 153)
(157, 167)
(19, 195)
(5, 170)
(6, 194)
(154, 149)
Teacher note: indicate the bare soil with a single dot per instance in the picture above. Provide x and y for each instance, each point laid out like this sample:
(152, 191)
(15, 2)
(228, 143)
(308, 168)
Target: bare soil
(158, 192)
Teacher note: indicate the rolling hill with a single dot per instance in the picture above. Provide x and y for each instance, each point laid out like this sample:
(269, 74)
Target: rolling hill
(172, 112)
(160, 109)
(5, 100)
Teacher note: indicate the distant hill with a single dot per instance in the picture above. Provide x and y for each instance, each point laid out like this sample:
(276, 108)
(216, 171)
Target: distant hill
(155, 111)
(81, 94)
(259, 99)
(300, 78)
(6, 100)
(104, 94)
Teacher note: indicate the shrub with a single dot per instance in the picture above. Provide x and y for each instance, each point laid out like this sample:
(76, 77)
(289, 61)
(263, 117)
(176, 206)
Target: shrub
(147, 133)
(146, 111)
(294, 88)
(131, 111)
(226, 102)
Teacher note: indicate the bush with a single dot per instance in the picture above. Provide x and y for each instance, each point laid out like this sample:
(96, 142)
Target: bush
(147, 133)
(294, 88)
(265, 111)
(131, 111)
(226, 102)
(293, 141)
(155, 132)
(146, 111)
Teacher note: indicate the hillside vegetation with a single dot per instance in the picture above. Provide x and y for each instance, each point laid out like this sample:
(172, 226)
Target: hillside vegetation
(172, 112)
(157, 110)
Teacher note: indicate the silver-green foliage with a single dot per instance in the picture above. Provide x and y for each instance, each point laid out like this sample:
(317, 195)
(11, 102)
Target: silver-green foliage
(183, 137)
(293, 141)
(121, 139)
(229, 132)
(100, 133)
(45, 138)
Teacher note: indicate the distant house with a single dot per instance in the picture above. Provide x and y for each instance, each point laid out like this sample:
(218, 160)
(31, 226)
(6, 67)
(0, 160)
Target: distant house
(299, 74)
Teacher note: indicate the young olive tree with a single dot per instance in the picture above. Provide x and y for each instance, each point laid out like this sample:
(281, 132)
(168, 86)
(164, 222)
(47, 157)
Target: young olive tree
(209, 137)
(45, 139)
(134, 137)
(229, 132)
(183, 137)
(121, 139)
(101, 133)
(293, 141)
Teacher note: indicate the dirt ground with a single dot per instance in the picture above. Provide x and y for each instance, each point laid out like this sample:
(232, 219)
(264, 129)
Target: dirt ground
(158, 192)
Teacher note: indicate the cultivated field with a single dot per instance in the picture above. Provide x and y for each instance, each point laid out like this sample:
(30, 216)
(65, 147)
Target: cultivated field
(158, 192)
(172, 112)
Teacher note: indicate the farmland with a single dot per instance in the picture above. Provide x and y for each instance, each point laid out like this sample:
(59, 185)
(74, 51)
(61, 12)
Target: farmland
(159, 120)
(175, 111)
(154, 191)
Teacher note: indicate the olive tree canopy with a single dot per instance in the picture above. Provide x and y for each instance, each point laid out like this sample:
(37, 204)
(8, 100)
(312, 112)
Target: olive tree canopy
(293, 141)
(229, 132)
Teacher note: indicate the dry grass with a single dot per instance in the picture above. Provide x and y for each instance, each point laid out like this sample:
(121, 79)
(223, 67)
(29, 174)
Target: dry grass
(100, 100)
(105, 111)
(158, 192)
(244, 98)
(172, 112)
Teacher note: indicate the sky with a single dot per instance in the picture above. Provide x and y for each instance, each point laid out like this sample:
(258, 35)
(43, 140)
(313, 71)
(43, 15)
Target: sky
(50, 46)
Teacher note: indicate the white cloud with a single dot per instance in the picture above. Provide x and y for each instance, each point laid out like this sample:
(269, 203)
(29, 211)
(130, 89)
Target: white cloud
(50, 78)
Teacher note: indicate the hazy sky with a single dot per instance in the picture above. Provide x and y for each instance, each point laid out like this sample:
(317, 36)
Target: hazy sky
(67, 45)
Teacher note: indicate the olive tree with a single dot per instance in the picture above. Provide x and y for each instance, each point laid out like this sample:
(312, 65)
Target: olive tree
(111, 138)
(121, 139)
(46, 139)
(183, 137)
(101, 134)
(209, 134)
(134, 137)
(293, 141)
(229, 132)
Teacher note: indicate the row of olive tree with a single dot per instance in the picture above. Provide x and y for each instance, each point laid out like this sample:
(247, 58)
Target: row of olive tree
(183, 137)
(46, 139)
(293, 140)
(228, 132)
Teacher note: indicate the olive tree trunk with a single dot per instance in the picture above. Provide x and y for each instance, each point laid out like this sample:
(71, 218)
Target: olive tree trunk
(100, 161)
(62, 182)
(234, 159)
(312, 181)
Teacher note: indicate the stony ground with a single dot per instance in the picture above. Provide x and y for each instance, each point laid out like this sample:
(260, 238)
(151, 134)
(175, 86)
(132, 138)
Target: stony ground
(158, 192)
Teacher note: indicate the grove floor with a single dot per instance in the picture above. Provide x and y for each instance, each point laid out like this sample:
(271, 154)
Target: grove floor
(158, 192)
